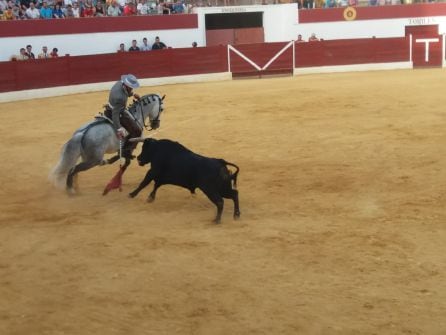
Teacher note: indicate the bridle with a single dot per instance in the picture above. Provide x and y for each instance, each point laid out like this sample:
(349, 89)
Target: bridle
(144, 101)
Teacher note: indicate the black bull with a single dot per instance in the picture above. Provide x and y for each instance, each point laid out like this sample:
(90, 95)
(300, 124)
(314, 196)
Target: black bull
(172, 163)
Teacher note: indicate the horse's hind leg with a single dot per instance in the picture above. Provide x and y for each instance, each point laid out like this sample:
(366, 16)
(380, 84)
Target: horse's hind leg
(78, 168)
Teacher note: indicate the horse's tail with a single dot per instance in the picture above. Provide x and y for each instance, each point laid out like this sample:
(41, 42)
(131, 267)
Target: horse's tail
(68, 158)
(234, 175)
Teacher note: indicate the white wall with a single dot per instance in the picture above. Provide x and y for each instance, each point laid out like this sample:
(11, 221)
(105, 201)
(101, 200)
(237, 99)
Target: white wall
(280, 23)
(97, 43)
(278, 20)
(365, 28)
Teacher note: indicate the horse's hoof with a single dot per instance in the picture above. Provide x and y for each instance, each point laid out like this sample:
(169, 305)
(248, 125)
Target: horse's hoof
(236, 216)
(216, 221)
(132, 195)
(150, 199)
(71, 191)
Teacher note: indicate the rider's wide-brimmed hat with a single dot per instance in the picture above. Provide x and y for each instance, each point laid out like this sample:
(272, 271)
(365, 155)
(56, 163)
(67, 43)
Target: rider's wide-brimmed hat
(130, 80)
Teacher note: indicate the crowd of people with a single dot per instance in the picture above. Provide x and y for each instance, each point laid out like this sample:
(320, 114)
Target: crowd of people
(59, 9)
(27, 53)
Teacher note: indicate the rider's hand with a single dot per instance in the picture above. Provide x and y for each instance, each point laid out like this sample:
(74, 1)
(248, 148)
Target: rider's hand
(121, 133)
(136, 96)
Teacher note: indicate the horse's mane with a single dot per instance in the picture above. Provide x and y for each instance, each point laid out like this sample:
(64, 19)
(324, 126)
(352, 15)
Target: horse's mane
(144, 100)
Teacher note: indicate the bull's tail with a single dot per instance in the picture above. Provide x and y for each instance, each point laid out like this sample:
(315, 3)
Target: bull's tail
(68, 158)
(233, 175)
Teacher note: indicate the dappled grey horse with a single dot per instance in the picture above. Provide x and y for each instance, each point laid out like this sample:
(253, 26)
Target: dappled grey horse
(91, 141)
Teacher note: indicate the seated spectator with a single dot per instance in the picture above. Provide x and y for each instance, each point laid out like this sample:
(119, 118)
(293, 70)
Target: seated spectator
(142, 8)
(32, 12)
(22, 56)
(3, 5)
(29, 52)
(178, 8)
(194, 44)
(99, 9)
(121, 48)
(19, 14)
(134, 47)
(8, 14)
(113, 9)
(158, 44)
(44, 54)
(54, 54)
(313, 38)
(129, 9)
(353, 3)
(145, 46)
(45, 11)
(330, 3)
(58, 13)
(88, 11)
(299, 39)
(76, 10)
(69, 12)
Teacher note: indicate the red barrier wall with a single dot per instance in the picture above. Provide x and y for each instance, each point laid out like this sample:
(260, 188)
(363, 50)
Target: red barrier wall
(175, 62)
(97, 25)
(374, 12)
(358, 51)
(65, 71)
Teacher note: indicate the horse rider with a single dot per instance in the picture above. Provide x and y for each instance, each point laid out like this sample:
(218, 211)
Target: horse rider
(116, 110)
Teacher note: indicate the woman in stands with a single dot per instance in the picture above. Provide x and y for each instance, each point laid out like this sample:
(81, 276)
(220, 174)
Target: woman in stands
(58, 12)
(99, 9)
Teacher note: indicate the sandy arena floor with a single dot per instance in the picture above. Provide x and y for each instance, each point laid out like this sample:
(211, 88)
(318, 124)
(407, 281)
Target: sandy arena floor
(343, 228)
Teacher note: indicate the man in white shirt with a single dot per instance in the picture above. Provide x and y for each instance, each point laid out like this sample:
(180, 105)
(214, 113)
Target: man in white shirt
(32, 12)
(145, 46)
(113, 9)
(142, 7)
(44, 54)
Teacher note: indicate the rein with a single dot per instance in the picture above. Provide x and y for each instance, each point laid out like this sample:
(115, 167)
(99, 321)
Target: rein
(144, 99)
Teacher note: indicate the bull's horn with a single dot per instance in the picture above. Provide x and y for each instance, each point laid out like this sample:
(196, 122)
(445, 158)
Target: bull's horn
(163, 97)
(137, 139)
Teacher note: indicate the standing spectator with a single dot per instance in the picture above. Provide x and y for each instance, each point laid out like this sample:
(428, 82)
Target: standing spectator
(29, 52)
(142, 8)
(58, 13)
(44, 54)
(21, 56)
(45, 11)
(54, 54)
(134, 47)
(158, 44)
(145, 46)
(113, 10)
(121, 48)
(299, 39)
(313, 38)
(32, 12)
(194, 44)
(129, 9)
(99, 9)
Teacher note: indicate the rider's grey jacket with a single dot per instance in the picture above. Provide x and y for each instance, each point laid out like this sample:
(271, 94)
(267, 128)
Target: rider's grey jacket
(118, 102)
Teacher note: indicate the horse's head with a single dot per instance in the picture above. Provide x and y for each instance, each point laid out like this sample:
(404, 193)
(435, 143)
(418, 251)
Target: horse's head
(151, 106)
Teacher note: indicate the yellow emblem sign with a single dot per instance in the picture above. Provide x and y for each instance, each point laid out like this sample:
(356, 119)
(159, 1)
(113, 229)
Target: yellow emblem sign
(349, 13)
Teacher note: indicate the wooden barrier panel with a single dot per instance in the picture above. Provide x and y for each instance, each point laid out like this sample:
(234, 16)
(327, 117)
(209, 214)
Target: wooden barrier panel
(357, 51)
(64, 71)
